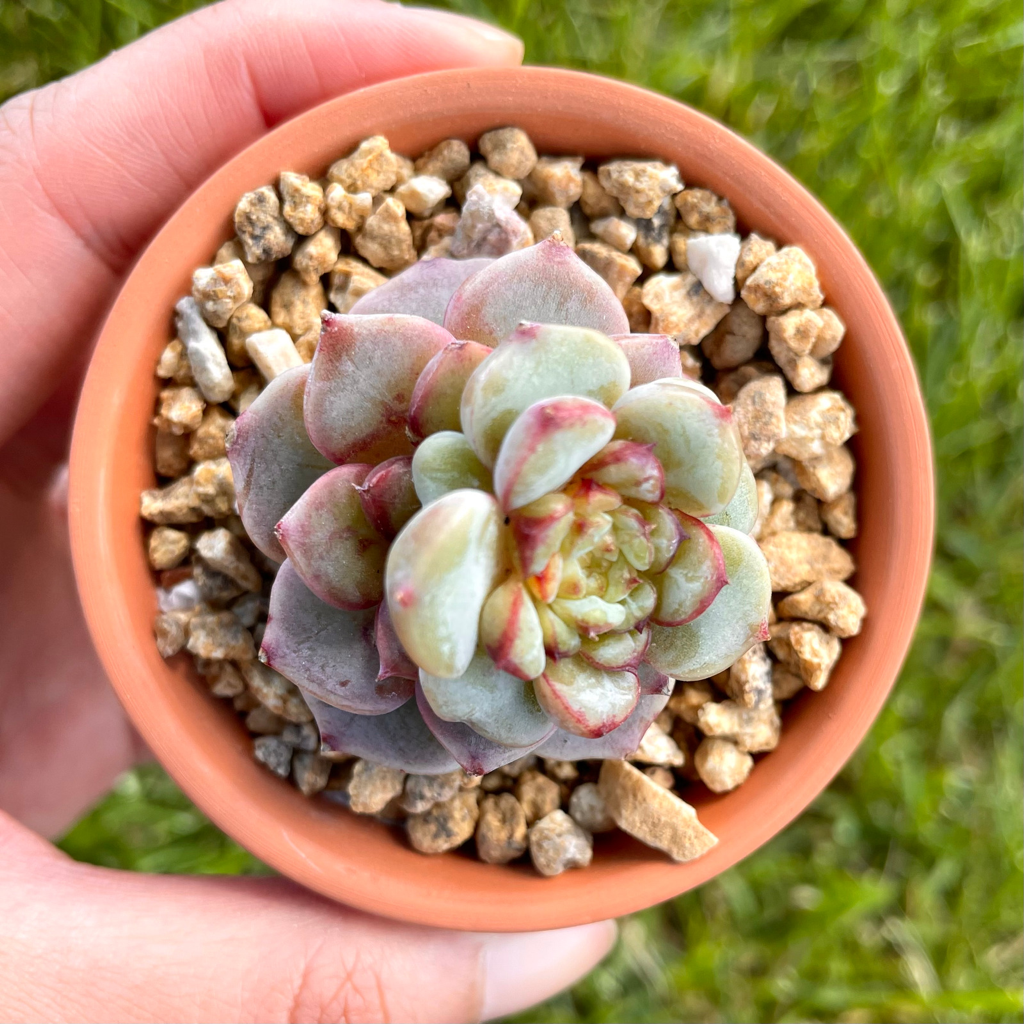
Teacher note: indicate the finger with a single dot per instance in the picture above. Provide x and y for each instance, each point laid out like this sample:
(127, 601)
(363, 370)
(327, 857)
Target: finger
(86, 943)
(90, 166)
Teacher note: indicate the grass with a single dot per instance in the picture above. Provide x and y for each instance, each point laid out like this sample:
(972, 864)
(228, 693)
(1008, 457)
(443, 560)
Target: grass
(898, 895)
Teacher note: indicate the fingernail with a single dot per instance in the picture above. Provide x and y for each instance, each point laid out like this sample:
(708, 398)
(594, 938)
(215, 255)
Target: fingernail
(523, 969)
(501, 47)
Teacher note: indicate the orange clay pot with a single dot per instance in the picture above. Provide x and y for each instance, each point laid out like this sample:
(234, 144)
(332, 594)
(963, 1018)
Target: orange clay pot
(200, 741)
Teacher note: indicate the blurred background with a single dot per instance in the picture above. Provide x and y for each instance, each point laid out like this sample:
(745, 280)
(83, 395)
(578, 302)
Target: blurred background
(898, 895)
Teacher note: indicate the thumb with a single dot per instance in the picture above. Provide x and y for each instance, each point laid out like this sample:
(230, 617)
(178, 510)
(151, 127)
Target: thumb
(90, 166)
(90, 944)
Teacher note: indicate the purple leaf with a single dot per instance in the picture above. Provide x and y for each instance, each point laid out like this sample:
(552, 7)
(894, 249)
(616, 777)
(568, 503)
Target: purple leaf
(422, 290)
(327, 652)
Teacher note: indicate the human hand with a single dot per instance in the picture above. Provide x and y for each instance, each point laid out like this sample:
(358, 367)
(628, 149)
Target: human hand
(89, 169)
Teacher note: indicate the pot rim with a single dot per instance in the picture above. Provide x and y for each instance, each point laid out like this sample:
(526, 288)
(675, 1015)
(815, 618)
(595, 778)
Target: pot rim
(357, 860)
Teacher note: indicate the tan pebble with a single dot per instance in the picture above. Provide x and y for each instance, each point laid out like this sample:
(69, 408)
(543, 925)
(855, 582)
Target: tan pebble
(780, 518)
(273, 753)
(302, 202)
(245, 702)
(785, 279)
(546, 220)
(247, 319)
(815, 423)
(213, 488)
(208, 441)
(351, 279)
(386, 239)
(637, 313)
(508, 151)
(657, 747)
(446, 825)
(727, 385)
(557, 844)
(828, 476)
(764, 503)
(372, 787)
(315, 256)
(220, 290)
(779, 482)
(619, 232)
(249, 608)
(224, 552)
(749, 680)
(346, 210)
(721, 765)
(296, 305)
(310, 772)
(370, 167)
(220, 635)
(806, 648)
(538, 794)
(557, 180)
(521, 764)
(795, 560)
(302, 736)
(488, 226)
(494, 184)
(405, 170)
(496, 781)
(259, 273)
(595, 202)
(678, 245)
(422, 194)
(214, 587)
(167, 547)
(173, 363)
(174, 504)
(587, 808)
(736, 339)
(840, 516)
(639, 185)
(276, 692)
(754, 250)
(753, 730)
(806, 518)
(448, 160)
(224, 679)
(701, 210)
(171, 632)
(180, 410)
(247, 389)
(654, 815)
(691, 363)
(501, 829)
(561, 771)
(662, 776)
(804, 373)
(170, 453)
(830, 602)
(651, 244)
(681, 307)
(688, 737)
(619, 269)
(759, 411)
(273, 352)
(306, 345)
(261, 228)
(423, 791)
(434, 230)
(264, 722)
(689, 698)
(813, 332)
(785, 684)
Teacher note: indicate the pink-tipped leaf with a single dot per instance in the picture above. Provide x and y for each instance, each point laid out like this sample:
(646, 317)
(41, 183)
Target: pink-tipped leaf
(651, 357)
(424, 289)
(388, 496)
(694, 578)
(438, 392)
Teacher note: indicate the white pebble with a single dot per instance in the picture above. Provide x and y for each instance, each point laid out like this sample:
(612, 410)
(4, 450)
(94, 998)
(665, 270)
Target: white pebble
(273, 352)
(419, 195)
(179, 598)
(712, 258)
(205, 352)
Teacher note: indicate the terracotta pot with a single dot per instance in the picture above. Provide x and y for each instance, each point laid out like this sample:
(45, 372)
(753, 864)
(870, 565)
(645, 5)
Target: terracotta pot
(198, 739)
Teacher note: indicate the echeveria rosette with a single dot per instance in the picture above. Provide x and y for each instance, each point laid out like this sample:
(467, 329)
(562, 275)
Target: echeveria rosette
(504, 527)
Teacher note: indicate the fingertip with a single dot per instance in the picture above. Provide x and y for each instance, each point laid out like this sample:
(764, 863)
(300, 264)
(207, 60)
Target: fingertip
(519, 970)
(493, 46)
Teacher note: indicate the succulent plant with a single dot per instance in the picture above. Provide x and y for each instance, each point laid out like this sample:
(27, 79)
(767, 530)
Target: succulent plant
(505, 523)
